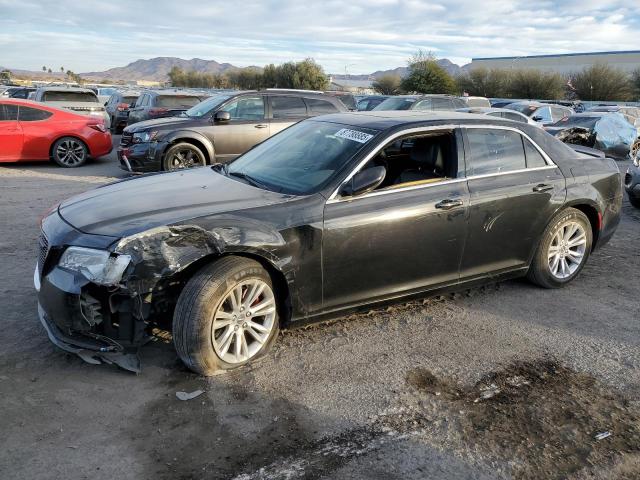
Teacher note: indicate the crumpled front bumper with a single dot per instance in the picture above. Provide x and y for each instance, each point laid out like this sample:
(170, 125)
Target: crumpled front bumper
(141, 157)
(58, 303)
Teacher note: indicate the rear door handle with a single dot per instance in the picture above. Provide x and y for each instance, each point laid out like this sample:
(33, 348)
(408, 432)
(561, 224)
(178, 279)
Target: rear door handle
(449, 203)
(542, 187)
(262, 125)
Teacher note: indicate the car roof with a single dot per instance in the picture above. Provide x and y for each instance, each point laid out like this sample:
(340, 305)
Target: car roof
(65, 89)
(182, 93)
(385, 119)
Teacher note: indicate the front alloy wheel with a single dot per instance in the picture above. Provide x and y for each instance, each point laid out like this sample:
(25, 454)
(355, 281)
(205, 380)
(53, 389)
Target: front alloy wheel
(225, 316)
(183, 155)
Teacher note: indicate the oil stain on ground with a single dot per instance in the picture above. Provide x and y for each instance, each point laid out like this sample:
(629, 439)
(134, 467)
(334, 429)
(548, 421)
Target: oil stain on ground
(544, 419)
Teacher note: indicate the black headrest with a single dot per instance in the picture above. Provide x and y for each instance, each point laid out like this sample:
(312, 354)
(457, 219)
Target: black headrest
(427, 152)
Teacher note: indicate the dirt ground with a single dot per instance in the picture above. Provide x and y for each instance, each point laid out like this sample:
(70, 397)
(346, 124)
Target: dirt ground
(505, 381)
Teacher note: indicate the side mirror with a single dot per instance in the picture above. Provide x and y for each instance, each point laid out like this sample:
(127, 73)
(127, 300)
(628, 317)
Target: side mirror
(364, 181)
(105, 103)
(537, 118)
(222, 117)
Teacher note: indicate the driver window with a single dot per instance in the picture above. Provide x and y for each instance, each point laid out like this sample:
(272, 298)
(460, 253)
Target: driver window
(245, 108)
(417, 160)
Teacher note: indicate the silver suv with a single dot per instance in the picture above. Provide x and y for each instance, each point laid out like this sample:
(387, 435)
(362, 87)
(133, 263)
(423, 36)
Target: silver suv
(79, 100)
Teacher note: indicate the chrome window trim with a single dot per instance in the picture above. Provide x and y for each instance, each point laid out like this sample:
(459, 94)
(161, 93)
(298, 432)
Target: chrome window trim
(334, 196)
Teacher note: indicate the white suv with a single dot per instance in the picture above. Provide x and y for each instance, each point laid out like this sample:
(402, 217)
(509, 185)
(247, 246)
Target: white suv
(78, 100)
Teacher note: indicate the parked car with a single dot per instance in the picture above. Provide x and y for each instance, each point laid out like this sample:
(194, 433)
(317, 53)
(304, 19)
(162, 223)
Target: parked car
(632, 114)
(306, 226)
(632, 180)
(118, 107)
(501, 113)
(80, 100)
(610, 132)
(32, 131)
(369, 102)
(104, 93)
(17, 92)
(543, 113)
(479, 102)
(218, 129)
(162, 103)
(346, 98)
(421, 102)
(501, 102)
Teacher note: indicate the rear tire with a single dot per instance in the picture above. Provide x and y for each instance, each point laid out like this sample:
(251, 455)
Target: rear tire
(563, 250)
(183, 155)
(70, 152)
(226, 316)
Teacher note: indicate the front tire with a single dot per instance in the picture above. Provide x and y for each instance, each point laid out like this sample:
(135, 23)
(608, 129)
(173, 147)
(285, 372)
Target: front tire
(226, 316)
(183, 155)
(563, 250)
(70, 152)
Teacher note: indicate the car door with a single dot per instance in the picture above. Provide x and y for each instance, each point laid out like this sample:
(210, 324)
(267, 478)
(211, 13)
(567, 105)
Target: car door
(395, 240)
(135, 113)
(514, 191)
(37, 131)
(11, 136)
(285, 110)
(246, 127)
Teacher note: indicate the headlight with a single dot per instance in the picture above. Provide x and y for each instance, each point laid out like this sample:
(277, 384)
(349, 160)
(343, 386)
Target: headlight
(144, 137)
(97, 266)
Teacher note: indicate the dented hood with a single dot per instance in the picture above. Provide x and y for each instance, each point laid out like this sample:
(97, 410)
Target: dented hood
(134, 205)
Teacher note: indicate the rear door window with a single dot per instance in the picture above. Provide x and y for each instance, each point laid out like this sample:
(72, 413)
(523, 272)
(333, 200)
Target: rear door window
(321, 107)
(288, 107)
(494, 151)
(8, 113)
(534, 157)
(28, 114)
(514, 116)
(442, 104)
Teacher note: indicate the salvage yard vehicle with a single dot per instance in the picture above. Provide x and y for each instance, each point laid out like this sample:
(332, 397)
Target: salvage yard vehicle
(162, 103)
(118, 107)
(329, 216)
(609, 132)
(32, 131)
(632, 181)
(218, 129)
(369, 102)
(422, 103)
(543, 113)
(82, 101)
(505, 113)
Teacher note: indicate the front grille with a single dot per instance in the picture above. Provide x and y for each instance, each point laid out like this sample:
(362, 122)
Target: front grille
(126, 139)
(43, 246)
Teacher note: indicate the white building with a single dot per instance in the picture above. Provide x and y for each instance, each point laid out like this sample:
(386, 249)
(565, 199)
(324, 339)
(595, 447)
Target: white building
(563, 63)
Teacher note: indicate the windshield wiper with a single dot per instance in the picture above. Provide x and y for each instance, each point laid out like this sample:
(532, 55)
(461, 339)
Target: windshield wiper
(249, 179)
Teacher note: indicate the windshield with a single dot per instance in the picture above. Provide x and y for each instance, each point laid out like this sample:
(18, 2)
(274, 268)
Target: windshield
(70, 97)
(204, 108)
(177, 101)
(575, 121)
(303, 158)
(396, 103)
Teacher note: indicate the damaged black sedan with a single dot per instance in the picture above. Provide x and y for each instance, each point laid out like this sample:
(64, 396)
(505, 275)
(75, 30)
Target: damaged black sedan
(333, 214)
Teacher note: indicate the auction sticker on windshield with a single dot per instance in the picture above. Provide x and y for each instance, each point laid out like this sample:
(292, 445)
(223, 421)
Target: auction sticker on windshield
(354, 135)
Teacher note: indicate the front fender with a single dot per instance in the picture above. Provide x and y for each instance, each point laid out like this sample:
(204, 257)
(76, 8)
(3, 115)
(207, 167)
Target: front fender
(178, 135)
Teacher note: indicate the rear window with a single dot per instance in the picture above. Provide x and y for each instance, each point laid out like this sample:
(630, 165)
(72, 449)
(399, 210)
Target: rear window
(320, 107)
(70, 97)
(177, 101)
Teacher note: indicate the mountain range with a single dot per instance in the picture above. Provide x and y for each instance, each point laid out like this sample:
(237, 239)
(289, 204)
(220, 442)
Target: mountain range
(157, 69)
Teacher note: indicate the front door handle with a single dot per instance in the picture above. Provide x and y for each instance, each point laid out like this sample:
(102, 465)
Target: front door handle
(262, 125)
(542, 187)
(449, 203)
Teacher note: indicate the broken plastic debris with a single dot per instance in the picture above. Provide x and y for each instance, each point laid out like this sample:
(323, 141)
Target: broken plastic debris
(189, 395)
(603, 435)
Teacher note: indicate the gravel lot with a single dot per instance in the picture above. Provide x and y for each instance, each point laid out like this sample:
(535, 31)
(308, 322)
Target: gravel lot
(506, 381)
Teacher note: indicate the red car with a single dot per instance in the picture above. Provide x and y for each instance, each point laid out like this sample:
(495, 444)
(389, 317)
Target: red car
(32, 131)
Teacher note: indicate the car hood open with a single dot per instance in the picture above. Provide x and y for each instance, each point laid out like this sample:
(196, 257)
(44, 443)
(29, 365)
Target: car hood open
(135, 205)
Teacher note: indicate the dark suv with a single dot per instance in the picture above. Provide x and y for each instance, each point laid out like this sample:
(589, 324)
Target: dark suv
(218, 129)
(162, 103)
(118, 107)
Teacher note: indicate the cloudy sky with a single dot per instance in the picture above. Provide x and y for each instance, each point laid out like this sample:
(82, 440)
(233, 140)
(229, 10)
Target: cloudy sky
(360, 36)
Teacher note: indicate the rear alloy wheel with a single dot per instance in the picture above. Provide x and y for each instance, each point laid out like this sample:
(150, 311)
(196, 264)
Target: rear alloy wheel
(183, 155)
(563, 250)
(226, 316)
(70, 152)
